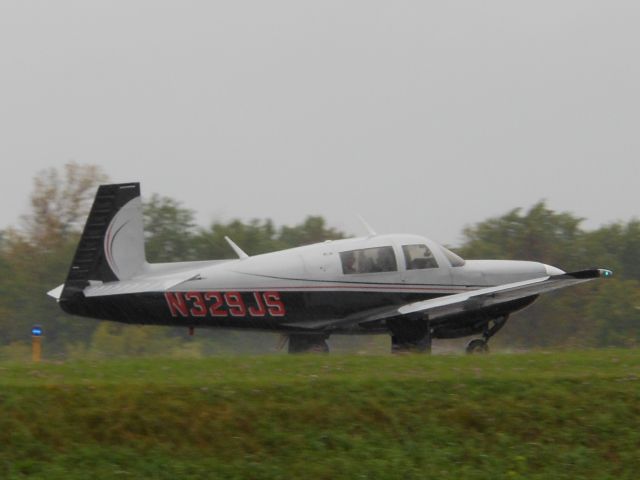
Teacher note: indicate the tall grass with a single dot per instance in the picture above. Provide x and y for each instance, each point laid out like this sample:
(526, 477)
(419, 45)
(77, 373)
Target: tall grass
(540, 415)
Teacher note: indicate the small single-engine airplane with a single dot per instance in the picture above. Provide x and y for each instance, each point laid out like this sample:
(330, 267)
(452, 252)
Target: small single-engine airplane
(403, 285)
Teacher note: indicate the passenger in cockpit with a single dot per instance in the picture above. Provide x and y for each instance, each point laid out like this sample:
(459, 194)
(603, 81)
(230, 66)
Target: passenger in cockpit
(386, 260)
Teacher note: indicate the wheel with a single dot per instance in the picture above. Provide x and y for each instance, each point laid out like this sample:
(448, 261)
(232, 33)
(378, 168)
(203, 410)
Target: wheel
(477, 346)
(321, 347)
(308, 344)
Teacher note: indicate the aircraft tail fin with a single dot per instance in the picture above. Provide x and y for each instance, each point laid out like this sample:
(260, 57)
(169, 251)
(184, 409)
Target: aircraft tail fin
(112, 244)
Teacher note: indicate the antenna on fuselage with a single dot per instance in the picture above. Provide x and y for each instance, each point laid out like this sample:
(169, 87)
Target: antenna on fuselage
(370, 231)
(241, 254)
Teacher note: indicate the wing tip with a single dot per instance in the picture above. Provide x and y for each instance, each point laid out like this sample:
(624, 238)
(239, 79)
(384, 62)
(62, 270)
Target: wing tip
(605, 273)
(590, 273)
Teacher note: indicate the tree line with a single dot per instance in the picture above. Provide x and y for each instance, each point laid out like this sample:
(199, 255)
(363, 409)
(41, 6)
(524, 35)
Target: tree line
(35, 257)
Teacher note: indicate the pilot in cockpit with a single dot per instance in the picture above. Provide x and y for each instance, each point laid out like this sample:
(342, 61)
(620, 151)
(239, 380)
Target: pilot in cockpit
(348, 262)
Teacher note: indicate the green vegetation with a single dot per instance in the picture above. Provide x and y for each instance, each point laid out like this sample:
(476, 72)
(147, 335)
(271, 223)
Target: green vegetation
(542, 415)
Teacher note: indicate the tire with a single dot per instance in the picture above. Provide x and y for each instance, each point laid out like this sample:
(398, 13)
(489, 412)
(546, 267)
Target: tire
(477, 346)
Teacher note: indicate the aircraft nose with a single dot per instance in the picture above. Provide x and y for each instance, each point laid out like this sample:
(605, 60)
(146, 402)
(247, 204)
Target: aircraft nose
(551, 270)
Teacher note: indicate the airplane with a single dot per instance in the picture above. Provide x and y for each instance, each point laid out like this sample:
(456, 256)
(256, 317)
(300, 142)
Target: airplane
(405, 286)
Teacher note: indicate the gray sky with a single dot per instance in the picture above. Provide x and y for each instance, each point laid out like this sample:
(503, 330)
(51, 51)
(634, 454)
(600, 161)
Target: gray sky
(421, 116)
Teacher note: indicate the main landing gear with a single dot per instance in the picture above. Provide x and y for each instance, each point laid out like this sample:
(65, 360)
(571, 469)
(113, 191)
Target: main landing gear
(402, 344)
(481, 345)
(308, 343)
(411, 335)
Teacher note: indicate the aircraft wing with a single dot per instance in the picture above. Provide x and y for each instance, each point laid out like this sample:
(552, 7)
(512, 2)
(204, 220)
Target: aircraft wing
(487, 297)
(475, 300)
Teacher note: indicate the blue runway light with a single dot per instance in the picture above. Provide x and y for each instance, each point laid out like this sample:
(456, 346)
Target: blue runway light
(36, 331)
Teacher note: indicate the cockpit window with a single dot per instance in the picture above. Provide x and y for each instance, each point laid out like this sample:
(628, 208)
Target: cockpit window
(417, 257)
(455, 260)
(369, 260)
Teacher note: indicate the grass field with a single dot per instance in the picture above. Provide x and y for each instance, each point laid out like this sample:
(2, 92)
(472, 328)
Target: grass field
(539, 415)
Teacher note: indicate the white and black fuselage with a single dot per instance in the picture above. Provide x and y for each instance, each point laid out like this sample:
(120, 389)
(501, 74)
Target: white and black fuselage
(373, 284)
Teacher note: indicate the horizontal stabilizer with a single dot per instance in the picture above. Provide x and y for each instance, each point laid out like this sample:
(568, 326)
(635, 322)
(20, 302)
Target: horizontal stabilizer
(56, 292)
(136, 286)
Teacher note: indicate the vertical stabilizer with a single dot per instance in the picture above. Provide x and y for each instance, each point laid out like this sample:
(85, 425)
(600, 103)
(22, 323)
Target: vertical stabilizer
(112, 244)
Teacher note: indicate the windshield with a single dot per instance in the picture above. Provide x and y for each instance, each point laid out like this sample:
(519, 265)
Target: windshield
(418, 257)
(456, 261)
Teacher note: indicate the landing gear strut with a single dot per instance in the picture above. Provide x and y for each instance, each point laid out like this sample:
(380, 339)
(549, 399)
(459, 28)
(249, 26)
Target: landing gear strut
(481, 345)
(411, 335)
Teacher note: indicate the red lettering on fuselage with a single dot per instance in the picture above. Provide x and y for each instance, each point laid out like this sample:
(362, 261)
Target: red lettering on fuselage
(216, 307)
(260, 311)
(198, 308)
(224, 304)
(177, 305)
(235, 304)
(274, 304)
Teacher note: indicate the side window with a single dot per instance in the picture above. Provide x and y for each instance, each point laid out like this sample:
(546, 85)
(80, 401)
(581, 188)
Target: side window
(418, 257)
(369, 260)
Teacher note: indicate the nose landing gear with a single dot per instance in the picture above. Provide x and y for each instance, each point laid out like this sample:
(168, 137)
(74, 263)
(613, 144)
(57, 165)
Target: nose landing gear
(481, 345)
(477, 345)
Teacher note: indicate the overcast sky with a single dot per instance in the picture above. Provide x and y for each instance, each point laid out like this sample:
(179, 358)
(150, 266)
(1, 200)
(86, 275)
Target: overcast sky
(421, 116)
